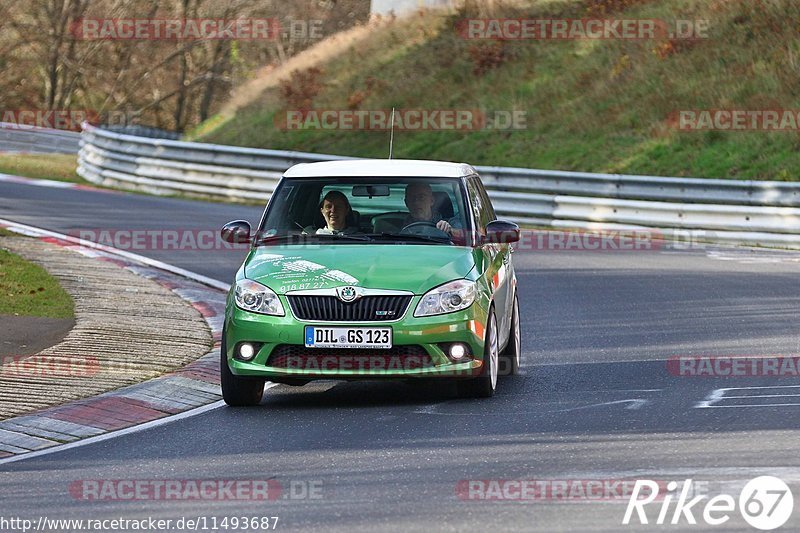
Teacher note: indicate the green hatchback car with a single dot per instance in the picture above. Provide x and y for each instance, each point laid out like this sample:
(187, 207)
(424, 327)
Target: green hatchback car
(373, 269)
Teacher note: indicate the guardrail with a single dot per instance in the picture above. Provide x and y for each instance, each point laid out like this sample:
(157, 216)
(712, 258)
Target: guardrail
(750, 212)
(31, 139)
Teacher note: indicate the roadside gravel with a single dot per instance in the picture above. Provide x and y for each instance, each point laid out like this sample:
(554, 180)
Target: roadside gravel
(128, 329)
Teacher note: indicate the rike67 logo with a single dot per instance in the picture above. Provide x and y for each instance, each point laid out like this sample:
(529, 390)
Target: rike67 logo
(765, 503)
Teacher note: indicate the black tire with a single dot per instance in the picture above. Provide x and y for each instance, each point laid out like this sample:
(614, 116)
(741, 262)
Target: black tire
(484, 385)
(510, 356)
(236, 391)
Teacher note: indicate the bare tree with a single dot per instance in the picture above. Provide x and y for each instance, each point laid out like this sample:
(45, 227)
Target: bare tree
(47, 64)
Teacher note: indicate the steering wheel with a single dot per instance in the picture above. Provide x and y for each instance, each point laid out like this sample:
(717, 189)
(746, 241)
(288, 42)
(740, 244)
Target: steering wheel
(426, 228)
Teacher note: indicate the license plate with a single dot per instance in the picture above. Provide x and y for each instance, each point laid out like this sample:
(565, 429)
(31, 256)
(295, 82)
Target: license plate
(325, 337)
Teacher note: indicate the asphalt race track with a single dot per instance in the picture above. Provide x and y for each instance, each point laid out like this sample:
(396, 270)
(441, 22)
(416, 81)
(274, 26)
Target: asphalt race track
(595, 401)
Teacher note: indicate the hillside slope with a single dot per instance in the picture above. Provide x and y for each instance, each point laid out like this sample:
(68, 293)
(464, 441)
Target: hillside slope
(590, 105)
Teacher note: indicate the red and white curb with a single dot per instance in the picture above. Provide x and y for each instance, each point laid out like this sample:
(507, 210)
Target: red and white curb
(190, 390)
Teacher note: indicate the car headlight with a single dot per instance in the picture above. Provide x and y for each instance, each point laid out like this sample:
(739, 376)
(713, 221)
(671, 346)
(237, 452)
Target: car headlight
(256, 298)
(447, 298)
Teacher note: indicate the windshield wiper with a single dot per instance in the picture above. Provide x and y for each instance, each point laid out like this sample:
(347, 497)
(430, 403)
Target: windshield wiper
(412, 237)
(301, 238)
(271, 239)
(348, 237)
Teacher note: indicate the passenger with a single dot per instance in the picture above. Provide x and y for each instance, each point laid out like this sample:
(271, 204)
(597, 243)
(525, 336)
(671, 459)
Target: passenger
(419, 200)
(336, 211)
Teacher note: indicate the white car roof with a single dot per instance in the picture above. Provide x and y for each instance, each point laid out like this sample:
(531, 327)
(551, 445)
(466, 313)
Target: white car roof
(377, 168)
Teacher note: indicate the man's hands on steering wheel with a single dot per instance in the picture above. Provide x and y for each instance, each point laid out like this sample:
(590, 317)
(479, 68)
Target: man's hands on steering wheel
(431, 229)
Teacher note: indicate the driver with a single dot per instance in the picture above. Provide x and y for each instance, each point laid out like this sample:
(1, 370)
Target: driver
(419, 200)
(336, 211)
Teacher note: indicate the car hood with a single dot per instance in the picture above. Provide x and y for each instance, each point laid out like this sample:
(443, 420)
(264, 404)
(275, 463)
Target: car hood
(416, 268)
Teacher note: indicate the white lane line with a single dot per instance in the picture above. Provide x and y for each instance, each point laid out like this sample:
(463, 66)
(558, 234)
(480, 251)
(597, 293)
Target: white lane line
(715, 396)
(39, 182)
(114, 434)
(746, 256)
(634, 403)
(625, 390)
(122, 432)
(433, 409)
(36, 232)
(427, 410)
(718, 395)
(748, 396)
(748, 405)
(765, 387)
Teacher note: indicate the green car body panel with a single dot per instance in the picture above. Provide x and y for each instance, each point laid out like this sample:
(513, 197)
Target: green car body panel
(413, 268)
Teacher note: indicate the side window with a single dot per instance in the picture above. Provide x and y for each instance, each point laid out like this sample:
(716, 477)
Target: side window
(487, 203)
(481, 206)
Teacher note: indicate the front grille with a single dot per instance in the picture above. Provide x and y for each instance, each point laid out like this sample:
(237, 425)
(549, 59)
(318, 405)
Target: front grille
(298, 357)
(332, 309)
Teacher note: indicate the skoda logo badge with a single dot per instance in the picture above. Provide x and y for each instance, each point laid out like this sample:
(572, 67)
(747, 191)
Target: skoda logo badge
(346, 294)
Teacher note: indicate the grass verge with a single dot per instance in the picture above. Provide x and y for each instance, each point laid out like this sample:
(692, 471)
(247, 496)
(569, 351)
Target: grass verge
(59, 167)
(27, 289)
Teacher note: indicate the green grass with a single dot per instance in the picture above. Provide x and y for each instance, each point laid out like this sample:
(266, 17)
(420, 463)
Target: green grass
(601, 106)
(27, 289)
(59, 167)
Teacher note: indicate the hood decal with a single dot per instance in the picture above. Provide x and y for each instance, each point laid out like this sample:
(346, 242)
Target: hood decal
(289, 269)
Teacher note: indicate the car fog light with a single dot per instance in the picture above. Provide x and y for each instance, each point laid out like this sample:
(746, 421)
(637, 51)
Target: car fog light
(246, 351)
(457, 351)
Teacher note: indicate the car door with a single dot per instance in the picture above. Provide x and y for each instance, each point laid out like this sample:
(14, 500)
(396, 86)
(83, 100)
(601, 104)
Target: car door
(505, 285)
(495, 257)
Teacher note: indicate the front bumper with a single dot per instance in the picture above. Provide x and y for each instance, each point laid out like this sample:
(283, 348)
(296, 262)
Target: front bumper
(429, 333)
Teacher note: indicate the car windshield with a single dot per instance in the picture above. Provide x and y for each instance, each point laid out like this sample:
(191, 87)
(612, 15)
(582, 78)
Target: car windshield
(365, 210)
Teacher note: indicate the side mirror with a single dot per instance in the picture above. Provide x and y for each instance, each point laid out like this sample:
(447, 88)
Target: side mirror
(501, 231)
(236, 232)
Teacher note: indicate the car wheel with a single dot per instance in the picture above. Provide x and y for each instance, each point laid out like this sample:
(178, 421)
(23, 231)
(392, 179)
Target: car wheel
(236, 391)
(484, 385)
(510, 356)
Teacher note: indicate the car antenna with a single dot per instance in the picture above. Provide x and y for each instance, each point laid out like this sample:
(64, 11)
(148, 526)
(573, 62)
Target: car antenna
(391, 137)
